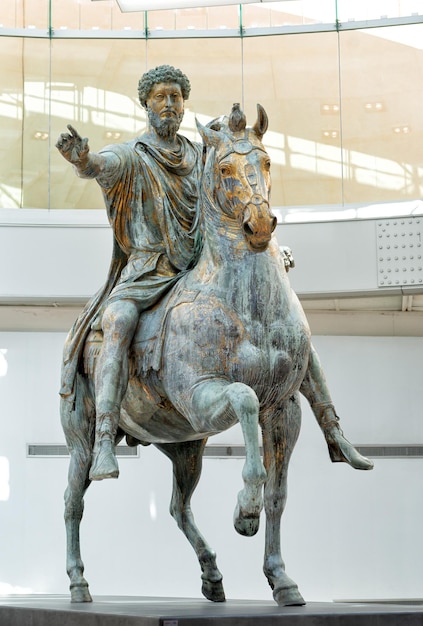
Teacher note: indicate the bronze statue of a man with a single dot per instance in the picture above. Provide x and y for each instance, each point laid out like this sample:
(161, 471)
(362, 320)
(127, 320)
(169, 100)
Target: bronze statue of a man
(150, 189)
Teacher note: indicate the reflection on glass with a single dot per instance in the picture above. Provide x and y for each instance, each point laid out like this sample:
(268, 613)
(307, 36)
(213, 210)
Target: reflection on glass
(11, 117)
(87, 15)
(295, 78)
(100, 100)
(18, 14)
(381, 125)
(344, 109)
(289, 13)
(359, 10)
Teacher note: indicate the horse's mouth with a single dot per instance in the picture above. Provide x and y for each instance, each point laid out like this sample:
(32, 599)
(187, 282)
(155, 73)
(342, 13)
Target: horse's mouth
(258, 246)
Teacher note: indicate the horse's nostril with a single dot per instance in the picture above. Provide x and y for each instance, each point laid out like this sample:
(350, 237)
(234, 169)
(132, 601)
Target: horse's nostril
(274, 223)
(248, 229)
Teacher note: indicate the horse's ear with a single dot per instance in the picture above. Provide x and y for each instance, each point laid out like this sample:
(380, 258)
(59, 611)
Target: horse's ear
(262, 122)
(210, 136)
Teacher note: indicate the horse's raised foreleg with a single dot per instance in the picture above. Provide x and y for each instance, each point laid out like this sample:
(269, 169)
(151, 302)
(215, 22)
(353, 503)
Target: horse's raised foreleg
(187, 462)
(280, 433)
(219, 405)
(78, 439)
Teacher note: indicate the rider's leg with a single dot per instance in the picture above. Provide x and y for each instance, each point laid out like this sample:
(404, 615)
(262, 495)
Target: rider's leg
(315, 390)
(111, 379)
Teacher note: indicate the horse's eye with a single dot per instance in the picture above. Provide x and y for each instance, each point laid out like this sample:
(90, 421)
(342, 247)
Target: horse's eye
(225, 170)
(267, 164)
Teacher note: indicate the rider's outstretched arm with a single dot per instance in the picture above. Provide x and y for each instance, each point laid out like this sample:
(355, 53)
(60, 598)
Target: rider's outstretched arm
(75, 149)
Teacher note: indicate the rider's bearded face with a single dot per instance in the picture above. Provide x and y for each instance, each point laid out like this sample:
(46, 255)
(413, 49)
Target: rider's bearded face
(165, 109)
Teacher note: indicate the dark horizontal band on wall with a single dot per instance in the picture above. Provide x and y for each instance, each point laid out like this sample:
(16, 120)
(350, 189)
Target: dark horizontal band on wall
(390, 451)
(60, 450)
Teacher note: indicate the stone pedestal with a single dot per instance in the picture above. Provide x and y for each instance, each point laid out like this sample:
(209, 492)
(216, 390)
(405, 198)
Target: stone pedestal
(41, 610)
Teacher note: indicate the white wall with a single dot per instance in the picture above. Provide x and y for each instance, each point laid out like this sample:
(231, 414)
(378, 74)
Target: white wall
(65, 255)
(346, 534)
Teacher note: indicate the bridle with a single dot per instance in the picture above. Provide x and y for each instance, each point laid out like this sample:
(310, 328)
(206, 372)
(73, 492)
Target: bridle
(240, 146)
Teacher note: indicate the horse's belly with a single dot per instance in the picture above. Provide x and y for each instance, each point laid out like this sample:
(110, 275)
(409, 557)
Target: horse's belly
(153, 419)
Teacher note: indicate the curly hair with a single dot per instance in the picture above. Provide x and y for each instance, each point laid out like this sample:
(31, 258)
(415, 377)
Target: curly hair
(162, 74)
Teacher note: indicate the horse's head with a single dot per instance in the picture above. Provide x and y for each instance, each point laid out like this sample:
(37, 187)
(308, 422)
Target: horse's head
(237, 174)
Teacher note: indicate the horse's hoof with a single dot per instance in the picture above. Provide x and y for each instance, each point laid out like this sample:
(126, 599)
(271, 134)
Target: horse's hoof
(288, 596)
(213, 591)
(80, 593)
(246, 525)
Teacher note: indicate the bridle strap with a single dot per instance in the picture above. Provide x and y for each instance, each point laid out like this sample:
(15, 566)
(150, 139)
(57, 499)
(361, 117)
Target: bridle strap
(240, 146)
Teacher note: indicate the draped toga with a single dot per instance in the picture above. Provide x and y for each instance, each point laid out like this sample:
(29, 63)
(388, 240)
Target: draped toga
(151, 197)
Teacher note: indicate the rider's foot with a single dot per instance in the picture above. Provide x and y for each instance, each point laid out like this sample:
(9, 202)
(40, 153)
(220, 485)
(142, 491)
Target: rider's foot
(341, 450)
(104, 463)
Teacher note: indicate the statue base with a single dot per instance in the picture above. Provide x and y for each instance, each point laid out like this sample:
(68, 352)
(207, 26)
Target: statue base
(45, 610)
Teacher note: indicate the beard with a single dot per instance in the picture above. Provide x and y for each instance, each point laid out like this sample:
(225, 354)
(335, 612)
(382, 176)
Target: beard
(166, 127)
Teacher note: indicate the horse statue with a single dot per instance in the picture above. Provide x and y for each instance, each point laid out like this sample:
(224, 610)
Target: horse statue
(229, 344)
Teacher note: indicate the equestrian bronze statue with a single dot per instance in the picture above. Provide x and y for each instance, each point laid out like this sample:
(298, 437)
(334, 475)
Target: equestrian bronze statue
(209, 331)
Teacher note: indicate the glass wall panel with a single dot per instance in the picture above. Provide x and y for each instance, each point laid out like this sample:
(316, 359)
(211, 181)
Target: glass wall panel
(94, 87)
(11, 15)
(202, 18)
(35, 123)
(89, 15)
(11, 118)
(350, 10)
(343, 107)
(35, 14)
(24, 121)
(214, 68)
(295, 78)
(21, 14)
(382, 127)
(289, 12)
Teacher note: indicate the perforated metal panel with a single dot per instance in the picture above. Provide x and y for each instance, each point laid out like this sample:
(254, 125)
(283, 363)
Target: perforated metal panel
(399, 252)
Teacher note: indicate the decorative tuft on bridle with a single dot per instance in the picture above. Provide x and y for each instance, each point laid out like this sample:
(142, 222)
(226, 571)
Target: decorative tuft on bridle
(237, 120)
(237, 123)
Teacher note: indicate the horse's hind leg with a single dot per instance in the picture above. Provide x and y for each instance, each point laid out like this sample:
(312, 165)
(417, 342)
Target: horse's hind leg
(280, 433)
(220, 404)
(187, 463)
(78, 437)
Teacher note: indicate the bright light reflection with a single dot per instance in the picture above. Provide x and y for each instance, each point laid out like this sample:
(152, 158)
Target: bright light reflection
(320, 216)
(7, 590)
(104, 108)
(153, 506)
(392, 209)
(294, 215)
(10, 196)
(3, 362)
(4, 479)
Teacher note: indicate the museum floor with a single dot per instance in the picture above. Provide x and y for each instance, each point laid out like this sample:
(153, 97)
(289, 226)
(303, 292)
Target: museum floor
(54, 610)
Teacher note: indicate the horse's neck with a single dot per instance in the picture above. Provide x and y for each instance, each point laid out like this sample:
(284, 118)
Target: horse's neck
(241, 278)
